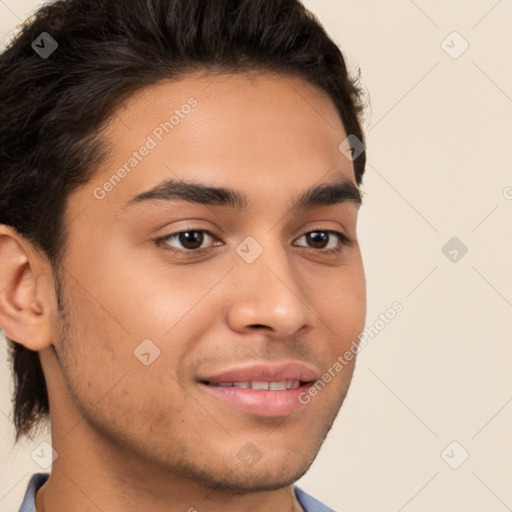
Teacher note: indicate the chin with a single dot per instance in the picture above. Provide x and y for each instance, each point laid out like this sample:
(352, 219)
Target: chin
(252, 480)
(269, 471)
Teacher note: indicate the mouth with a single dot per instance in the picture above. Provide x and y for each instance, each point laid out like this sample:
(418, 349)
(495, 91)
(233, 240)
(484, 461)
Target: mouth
(274, 399)
(261, 390)
(281, 385)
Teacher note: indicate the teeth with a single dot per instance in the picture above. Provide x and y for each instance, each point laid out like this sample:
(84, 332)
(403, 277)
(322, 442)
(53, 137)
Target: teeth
(258, 384)
(241, 384)
(292, 384)
(261, 385)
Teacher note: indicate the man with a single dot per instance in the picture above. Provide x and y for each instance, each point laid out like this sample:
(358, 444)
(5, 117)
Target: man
(179, 262)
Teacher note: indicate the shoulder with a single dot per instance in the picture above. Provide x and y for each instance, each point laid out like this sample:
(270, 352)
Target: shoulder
(308, 503)
(36, 481)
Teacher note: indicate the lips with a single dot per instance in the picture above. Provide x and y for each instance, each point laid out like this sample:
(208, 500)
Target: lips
(264, 372)
(261, 389)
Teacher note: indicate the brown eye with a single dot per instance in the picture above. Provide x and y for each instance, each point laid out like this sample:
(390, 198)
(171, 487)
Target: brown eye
(317, 239)
(187, 241)
(324, 240)
(191, 239)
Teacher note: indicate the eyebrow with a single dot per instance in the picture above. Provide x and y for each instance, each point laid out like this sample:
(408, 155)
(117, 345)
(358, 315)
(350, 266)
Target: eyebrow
(326, 194)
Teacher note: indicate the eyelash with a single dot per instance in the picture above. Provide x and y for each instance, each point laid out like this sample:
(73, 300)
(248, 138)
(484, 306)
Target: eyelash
(342, 237)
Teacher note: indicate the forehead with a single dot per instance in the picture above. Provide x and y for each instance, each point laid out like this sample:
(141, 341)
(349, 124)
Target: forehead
(265, 134)
(248, 97)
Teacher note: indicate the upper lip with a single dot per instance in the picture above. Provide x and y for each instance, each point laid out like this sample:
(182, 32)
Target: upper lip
(265, 372)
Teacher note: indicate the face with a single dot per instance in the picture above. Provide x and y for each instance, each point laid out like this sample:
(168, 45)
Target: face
(171, 296)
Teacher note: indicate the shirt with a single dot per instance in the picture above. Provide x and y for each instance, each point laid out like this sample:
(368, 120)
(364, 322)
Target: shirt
(307, 502)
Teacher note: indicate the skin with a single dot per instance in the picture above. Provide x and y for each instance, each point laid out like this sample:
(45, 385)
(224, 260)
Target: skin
(131, 437)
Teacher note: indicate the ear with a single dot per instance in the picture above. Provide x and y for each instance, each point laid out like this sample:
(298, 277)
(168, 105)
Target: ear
(27, 293)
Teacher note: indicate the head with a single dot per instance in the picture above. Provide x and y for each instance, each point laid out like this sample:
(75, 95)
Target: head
(243, 105)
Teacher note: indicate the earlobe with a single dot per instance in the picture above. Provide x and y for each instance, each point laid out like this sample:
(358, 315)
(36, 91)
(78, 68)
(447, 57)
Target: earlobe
(25, 305)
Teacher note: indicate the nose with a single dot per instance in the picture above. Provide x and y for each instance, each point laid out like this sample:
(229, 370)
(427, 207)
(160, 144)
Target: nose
(267, 293)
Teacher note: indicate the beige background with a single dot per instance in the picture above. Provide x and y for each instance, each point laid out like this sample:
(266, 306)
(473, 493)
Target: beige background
(439, 167)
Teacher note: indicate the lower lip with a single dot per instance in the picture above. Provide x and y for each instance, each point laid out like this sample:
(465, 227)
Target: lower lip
(266, 403)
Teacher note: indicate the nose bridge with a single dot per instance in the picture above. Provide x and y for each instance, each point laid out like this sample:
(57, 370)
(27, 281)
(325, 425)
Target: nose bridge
(267, 291)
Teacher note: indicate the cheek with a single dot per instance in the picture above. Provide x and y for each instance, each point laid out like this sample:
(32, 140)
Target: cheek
(127, 311)
(110, 384)
(139, 296)
(150, 297)
(92, 346)
(340, 301)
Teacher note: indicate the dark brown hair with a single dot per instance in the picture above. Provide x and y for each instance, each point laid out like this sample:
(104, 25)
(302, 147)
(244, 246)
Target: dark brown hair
(52, 109)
